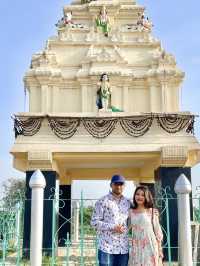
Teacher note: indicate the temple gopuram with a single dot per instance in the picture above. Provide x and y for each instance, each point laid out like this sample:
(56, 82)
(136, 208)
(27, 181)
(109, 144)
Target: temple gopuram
(103, 99)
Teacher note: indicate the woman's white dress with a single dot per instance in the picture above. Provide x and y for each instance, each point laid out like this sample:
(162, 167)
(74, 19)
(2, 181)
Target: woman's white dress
(146, 249)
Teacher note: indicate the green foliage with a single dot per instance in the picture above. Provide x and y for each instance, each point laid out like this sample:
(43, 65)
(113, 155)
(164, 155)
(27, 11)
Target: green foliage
(13, 192)
(87, 214)
(196, 214)
(47, 260)
(24, 262)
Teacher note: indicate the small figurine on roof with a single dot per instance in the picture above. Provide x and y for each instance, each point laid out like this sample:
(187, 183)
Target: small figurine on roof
(141, 19)
(147, 24)
(66, 20)
(102, 21)
(144, 23)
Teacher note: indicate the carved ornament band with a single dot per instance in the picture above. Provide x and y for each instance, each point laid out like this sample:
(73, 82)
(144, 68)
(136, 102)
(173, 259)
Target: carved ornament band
(101, 127)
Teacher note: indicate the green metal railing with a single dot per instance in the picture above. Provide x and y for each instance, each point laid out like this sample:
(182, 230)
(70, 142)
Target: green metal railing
(78, 253)
(11, 233)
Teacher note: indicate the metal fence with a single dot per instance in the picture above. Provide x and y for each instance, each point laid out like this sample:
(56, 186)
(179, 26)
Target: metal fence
(79, 245)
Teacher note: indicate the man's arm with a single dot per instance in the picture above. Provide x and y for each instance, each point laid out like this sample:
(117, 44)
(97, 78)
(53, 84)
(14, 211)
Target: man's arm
(97, 220)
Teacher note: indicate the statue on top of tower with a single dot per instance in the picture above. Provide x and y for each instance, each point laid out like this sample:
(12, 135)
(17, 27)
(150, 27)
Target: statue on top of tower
(103, 21)
(66, 20)
(144, 23)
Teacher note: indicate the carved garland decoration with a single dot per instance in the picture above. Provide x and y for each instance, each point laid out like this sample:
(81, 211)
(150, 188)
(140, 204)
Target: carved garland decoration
(101, 127)
(175, 123)
(27, 126)
(136, 127)
(64, 128)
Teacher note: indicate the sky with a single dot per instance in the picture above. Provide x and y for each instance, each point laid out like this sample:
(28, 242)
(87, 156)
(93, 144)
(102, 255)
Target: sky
(26, 25)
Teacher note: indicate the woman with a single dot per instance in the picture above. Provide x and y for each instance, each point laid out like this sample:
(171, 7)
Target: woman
(102, 21)
(104, 93)
(147, 235)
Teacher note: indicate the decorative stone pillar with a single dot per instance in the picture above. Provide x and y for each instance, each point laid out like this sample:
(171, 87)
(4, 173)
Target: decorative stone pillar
(50, 177)
(84, 98)
(37, 184)
(167, 177)
(44, 98)
(183, 189)
(125, 99)
(164, 96)
(34, 99)
(18, 222)
(116, 96)
(55, 99)
(173, 92)
(155, 97)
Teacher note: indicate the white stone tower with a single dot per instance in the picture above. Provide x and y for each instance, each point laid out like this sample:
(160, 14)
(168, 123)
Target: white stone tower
(141, 134)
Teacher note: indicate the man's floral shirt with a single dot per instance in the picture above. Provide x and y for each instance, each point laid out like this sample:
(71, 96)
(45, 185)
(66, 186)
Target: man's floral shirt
(110, 211)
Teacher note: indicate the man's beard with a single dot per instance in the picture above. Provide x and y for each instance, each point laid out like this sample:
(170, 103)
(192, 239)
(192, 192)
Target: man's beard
(117, 192)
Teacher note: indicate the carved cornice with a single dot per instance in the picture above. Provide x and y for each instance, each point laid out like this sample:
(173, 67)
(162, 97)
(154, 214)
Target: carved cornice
(174, 155)
(40, 160)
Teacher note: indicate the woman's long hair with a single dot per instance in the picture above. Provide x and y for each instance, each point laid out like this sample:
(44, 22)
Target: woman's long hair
(148, 202)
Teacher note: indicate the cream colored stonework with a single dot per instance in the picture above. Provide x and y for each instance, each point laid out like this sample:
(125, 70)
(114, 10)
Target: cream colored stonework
(174, 155)
(62, 81)
(143, 76)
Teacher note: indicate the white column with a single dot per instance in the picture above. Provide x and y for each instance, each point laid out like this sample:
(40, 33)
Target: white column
(155, 98)
(37, 184)
(84, 98)
(45, 98)
(164, 96)
(125, 99)
(55, 99)
(35, 99)
(115, 97)
(76, 221)
(183, 189)
(17, 206)
(174, 97)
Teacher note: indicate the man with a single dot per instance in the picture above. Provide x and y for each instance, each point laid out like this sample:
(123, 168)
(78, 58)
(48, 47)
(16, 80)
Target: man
(110, 220)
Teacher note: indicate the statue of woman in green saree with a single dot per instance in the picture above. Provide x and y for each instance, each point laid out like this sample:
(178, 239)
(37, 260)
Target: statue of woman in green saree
(102, 21)
(104, 93)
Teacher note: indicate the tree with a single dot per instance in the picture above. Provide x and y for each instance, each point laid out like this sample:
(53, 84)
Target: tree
(87, 214)
(13, 191)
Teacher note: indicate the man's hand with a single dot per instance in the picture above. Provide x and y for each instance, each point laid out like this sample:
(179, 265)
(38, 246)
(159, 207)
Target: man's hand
(119, 229)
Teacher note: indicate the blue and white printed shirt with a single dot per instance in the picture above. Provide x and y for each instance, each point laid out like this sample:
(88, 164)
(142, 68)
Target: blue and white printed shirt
(110, 211)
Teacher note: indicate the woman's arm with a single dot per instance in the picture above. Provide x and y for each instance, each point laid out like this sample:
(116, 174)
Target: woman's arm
(158, 232)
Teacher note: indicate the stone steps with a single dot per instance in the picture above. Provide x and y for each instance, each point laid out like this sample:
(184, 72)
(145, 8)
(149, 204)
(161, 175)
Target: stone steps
(61, 261)
(74, 257)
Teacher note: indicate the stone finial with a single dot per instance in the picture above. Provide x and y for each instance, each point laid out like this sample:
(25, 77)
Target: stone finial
(182, 185)
(37, 180)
